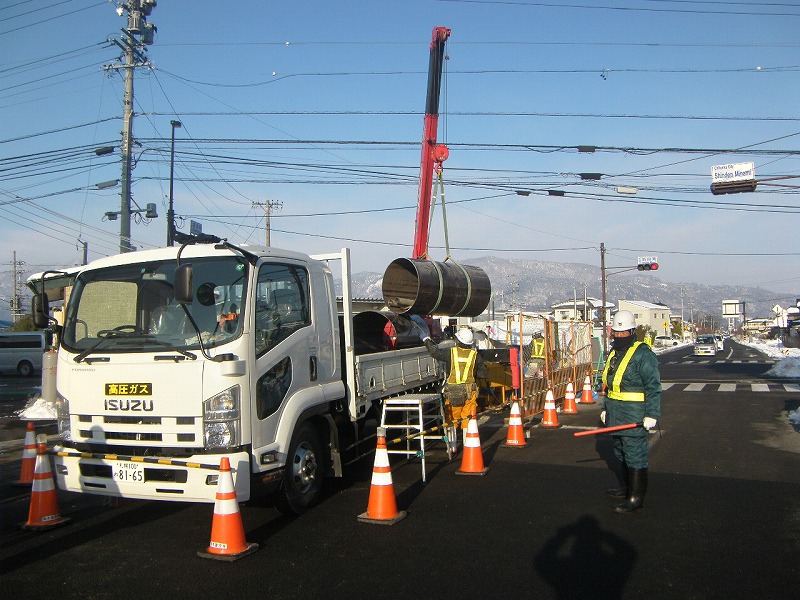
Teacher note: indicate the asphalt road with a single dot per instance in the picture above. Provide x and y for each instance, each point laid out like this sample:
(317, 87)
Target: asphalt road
(720, 521)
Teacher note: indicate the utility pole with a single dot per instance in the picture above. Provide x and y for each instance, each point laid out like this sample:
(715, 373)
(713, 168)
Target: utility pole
(16, 270)
(268, 206)
(137, 35)
(603, 300)
(171, 209)
(85, 251)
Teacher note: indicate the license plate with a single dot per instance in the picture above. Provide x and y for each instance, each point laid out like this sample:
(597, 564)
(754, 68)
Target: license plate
(128, 472)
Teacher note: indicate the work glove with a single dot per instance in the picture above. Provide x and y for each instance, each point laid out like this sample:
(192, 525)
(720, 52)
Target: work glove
(649, 423)
(603, 417)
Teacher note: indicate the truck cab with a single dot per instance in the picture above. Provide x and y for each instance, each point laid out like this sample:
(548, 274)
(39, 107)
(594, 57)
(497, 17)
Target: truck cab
(250, 351)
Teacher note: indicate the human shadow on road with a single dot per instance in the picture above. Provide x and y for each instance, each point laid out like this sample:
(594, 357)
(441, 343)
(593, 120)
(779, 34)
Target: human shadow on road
(583, 561)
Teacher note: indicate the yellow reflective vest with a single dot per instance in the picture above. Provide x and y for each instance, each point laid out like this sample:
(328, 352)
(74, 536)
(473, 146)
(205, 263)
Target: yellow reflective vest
(614, 392)
(462, 365)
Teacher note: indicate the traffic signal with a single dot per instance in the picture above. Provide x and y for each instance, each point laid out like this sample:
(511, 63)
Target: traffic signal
(651, 266)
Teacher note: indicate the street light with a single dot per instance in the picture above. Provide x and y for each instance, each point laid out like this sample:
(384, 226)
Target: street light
(170, 210)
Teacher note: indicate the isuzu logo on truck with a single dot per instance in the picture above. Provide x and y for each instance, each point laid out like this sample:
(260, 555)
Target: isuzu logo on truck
(133, 405)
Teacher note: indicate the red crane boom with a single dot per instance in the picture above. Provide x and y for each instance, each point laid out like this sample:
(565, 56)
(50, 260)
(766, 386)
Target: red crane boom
(430, 153)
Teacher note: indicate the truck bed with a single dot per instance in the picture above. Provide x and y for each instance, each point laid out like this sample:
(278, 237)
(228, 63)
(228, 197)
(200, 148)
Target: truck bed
(393, 372)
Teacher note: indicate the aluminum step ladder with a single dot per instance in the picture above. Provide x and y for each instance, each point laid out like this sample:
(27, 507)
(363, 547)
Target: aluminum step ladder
(417, 413)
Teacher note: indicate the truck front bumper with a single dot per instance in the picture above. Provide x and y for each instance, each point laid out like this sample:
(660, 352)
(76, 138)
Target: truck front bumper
(191, 479)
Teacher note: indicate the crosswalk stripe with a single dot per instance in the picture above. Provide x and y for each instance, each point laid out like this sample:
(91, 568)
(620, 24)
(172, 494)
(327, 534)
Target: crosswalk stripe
(730, 387)
(694, 387)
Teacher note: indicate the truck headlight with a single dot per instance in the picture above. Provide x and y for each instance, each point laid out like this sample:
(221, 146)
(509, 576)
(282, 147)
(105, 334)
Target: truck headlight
(221, 416)
(62, 418)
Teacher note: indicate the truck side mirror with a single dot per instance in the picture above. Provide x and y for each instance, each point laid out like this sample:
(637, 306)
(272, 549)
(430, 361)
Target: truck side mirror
(183, 284)
(40, 309)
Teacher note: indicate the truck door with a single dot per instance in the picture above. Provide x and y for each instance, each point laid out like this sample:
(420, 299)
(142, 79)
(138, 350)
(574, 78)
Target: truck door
(284, 341)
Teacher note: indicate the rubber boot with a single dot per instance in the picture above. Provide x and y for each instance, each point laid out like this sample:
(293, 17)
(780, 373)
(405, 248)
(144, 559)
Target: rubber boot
(637, 486)
(620, 492)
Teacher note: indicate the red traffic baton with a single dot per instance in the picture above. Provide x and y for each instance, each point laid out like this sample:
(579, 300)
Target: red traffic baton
(607, 429)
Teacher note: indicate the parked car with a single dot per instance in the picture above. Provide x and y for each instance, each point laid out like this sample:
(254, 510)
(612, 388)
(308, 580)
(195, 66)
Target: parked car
(663, 341)
(719, 341)
(705, 345)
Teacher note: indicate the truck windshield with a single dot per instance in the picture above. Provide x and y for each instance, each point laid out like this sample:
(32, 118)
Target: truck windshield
(131, 308)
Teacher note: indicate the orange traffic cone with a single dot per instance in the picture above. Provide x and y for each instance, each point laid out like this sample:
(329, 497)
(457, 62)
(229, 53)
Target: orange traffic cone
(516, 434)
(570, 407)
(28, 457)
(472, 459)
(44, 513)
(586, 394)
(382, 506)
(227, 533)
(550, 417)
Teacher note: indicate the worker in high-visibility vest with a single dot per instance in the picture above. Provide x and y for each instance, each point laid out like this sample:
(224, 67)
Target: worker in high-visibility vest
(463, 365)
(633, 395)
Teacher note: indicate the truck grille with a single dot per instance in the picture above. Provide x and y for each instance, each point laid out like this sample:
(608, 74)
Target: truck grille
(138, 430)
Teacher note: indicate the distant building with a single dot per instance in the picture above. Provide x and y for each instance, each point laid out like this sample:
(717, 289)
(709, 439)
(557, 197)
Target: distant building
(578, 310)
(655, 316)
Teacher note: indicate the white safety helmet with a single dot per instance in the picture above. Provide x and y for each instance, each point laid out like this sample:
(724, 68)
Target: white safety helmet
(623, 321)
(465, 336)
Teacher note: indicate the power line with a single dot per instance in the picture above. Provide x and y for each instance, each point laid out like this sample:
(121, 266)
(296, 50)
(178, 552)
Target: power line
(630, 8)
(276, 78)
(61, 16)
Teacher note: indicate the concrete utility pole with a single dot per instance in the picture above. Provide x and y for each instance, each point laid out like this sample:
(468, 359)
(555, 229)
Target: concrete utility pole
(171, 210)
(85, 251)
(16, 270)
(138, 34)
(268, 206)
(603, 300)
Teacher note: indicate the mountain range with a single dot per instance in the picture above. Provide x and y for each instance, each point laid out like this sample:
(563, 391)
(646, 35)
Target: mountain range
(536, 285)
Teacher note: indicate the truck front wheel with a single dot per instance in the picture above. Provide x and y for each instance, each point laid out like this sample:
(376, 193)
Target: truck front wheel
(302, 481)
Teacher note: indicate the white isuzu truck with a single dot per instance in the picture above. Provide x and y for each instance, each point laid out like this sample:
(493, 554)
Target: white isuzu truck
(175, 357)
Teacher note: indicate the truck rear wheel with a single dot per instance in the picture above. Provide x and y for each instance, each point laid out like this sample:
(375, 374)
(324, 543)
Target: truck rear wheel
(302, 481)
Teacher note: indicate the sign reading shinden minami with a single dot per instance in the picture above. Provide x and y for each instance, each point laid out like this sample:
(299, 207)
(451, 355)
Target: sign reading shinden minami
(733, 172)
(733, 178)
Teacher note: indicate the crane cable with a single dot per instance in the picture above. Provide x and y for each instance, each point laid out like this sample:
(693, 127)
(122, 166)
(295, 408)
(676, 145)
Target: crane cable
(438, 186)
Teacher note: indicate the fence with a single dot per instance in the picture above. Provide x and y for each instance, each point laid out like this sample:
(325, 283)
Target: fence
(552, 354)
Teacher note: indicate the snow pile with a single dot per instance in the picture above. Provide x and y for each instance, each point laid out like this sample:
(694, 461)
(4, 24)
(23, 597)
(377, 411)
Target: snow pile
(788, 366)
(38, 409)
(794, 419)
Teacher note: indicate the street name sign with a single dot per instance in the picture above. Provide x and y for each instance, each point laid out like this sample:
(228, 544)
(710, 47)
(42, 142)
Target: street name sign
(733, 172)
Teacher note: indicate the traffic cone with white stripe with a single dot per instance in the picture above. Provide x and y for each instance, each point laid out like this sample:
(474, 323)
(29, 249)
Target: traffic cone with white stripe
(28, 457)
(472, 458)
(43, 513)
(516, 434)
(227, 532)
(550, 416)
(586, 395)
(569, 400)
(382, 506)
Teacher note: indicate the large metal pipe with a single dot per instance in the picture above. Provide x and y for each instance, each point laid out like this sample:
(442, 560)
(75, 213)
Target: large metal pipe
(425, 287)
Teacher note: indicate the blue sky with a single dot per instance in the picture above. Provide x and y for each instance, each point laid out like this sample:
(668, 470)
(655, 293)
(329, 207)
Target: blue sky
(273, 97)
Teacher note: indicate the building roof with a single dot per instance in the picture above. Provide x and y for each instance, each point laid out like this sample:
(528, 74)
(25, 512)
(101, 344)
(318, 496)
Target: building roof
(592, 302)
(646, 305)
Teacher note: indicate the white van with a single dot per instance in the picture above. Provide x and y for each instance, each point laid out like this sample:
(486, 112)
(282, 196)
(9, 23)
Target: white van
(21, 352)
